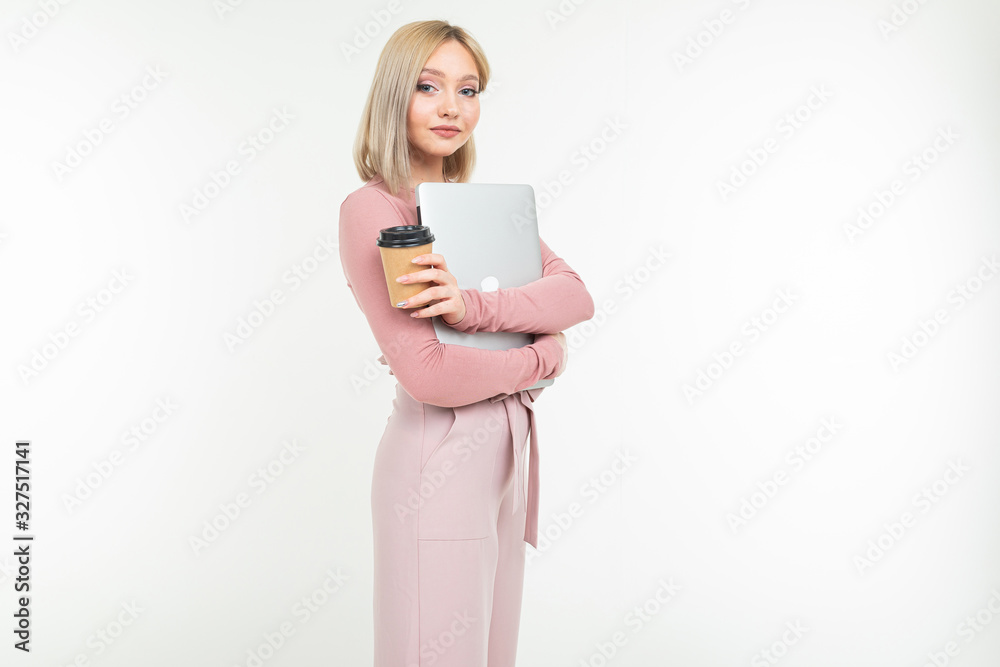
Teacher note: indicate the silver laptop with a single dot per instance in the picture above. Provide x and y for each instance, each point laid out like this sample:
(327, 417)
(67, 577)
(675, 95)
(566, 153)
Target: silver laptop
(488, 234)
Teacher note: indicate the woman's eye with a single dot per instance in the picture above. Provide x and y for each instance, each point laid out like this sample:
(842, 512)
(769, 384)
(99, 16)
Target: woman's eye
(469, 92)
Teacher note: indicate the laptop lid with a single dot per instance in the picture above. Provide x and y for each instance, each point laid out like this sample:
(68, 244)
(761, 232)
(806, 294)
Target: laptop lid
(488, 235)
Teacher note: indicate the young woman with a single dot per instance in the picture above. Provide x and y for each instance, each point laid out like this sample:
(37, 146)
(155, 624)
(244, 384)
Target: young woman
(451, 504)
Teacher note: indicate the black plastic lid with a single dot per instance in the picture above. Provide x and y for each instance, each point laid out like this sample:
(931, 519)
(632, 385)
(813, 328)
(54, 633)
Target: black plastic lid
(404, 236)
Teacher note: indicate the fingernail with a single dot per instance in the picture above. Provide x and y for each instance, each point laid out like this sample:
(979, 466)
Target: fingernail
(400, 279)
(414, 260)
(400, 304)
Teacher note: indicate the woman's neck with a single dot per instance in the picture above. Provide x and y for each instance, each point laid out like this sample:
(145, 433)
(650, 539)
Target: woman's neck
(426, 173)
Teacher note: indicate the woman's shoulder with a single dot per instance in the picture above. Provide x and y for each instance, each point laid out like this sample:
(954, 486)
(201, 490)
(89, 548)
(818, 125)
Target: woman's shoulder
(376, 193)
(370, 204)
(374, 188)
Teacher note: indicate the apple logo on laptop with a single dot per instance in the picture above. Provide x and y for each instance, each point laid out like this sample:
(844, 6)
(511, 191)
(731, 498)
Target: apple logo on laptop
(489, 284)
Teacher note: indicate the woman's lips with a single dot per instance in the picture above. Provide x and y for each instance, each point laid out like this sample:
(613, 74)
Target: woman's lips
(445, 133)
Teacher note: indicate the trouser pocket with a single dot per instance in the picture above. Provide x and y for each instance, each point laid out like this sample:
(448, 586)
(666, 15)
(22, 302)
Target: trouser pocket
(458, 492)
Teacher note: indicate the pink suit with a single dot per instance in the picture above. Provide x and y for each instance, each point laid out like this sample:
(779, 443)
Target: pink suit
(451, 505)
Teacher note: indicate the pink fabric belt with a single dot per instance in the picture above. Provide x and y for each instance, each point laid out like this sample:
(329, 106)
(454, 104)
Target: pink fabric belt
(526, 488)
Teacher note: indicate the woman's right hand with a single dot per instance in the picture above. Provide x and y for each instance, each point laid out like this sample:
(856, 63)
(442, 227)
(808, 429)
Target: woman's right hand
(561, 337)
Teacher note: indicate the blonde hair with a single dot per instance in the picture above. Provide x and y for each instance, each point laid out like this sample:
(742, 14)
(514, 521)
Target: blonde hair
(381, 146)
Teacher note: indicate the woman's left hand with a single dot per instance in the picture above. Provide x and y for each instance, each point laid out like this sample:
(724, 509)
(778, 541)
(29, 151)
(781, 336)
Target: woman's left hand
(449, 304)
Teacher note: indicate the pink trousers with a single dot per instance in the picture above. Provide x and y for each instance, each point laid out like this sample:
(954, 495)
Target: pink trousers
(448, 512)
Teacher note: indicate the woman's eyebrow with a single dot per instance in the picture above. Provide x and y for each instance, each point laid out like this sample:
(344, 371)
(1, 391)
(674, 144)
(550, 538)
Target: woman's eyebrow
(467, 77)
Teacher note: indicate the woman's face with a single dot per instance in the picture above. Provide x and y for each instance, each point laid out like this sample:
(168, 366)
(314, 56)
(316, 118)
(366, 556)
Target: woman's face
(446, 96)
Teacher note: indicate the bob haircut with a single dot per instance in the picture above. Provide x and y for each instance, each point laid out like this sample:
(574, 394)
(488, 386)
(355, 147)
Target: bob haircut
(381, 146)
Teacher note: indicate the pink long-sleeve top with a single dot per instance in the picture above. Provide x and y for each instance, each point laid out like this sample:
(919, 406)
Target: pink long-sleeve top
(453, 375)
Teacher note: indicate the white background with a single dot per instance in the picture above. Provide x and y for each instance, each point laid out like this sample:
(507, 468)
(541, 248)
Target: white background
(673, 130)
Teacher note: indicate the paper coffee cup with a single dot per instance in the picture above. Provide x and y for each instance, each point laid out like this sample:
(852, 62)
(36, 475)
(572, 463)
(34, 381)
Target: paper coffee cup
(399, 245)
